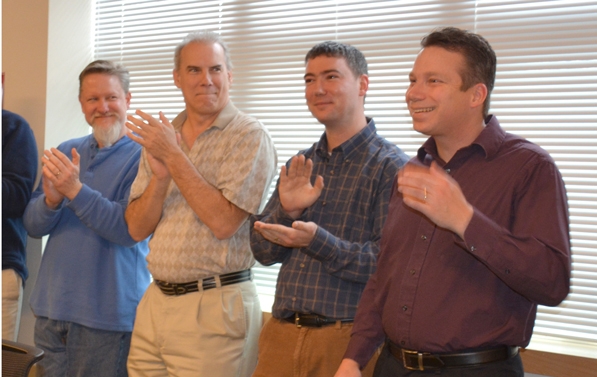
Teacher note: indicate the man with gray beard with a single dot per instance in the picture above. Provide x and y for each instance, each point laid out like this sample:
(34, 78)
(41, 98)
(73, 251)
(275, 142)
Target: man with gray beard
(93, 273)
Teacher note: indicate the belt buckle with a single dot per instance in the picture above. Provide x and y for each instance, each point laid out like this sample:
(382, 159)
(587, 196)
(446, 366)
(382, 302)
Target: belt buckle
(419, 359)
(297, 320)
(179, 289)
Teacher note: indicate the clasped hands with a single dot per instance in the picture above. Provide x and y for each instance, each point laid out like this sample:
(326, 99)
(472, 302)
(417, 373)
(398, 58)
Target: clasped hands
(296, 194)
(60, 176)
(434, 193)
(158, 137)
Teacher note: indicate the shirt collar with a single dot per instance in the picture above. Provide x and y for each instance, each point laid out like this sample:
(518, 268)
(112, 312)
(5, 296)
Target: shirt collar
(488, 142)
(222, 120)
(351, 145)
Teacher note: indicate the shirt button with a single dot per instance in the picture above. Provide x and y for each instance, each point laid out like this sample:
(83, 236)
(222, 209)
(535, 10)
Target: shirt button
(473, 248)
(332, 172)
(404, 308)
(507, 271)
(294, 299)
(412, 272)
(424, 237)
(347, 161)
(323, 203)
(402, 342)
(302, 265)
(448, 171)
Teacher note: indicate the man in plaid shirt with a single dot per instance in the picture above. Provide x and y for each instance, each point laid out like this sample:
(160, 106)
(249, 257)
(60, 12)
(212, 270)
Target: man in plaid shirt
(325, 235)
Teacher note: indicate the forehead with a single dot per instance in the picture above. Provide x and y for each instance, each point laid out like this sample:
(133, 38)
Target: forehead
(324, 63)
(438, 60)
(202, 54)
(101, 82)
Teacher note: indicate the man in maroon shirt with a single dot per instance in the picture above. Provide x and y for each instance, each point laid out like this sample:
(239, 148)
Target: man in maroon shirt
(477, 233)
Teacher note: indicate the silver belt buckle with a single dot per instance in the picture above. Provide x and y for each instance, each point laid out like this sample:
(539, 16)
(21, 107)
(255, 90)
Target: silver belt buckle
(419, 359)
(297, 320)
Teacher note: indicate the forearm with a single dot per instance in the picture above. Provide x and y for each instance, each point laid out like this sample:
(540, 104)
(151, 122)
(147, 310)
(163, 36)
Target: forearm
(210, 205)
(143, 214)
(15, 196)
(264, 251)
(367, 333)
(102, 216)
(351, 261)
(19, 167)
(39, 220)
(536, 264)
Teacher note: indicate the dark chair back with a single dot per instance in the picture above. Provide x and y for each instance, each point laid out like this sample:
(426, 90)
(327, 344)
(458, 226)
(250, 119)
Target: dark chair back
(18, 358)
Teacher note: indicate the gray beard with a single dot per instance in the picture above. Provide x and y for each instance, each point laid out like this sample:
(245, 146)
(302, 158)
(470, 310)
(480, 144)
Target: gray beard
(107, 137)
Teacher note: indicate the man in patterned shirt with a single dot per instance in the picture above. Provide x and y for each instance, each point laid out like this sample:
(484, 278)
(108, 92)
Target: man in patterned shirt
(199, 180)
(326, 237)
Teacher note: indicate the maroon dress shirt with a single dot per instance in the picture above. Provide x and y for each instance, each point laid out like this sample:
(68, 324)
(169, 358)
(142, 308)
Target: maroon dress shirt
(435, 292)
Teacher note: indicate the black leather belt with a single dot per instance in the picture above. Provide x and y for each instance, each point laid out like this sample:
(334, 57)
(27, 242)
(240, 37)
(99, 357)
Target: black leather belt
(177, 289)
(314, 320)
(414, 360)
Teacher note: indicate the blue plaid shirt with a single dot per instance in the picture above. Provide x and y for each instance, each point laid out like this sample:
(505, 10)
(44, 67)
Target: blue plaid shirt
(328, 276)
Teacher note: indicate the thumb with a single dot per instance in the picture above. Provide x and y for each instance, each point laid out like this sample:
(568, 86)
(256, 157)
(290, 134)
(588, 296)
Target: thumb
(164, 119)
(298, 225)
(76, 156)
(319, 183)
(436, 169)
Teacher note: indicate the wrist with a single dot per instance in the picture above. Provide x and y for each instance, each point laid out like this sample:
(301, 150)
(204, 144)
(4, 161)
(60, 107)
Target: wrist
(72, 193)
(293, 214)
(52, 204)
(466, 220)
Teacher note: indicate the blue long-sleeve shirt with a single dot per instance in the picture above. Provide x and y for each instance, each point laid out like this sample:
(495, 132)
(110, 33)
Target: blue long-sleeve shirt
(328, 276)
(92, 272)
(19, 169)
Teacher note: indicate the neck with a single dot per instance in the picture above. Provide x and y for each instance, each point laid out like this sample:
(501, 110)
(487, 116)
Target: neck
(449, 144)
(195, 125)
(338, 134)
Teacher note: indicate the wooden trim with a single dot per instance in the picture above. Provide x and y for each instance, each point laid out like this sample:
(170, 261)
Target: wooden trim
(558, 365)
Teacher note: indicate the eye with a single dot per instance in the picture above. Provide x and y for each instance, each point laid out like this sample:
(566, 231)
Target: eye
(308, 81)
(332, 77)
(217, 69)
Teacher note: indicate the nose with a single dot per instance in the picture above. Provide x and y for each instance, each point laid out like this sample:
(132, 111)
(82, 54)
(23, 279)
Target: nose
(413, 93)
(318, 87)
(102, 106)
(205, 78)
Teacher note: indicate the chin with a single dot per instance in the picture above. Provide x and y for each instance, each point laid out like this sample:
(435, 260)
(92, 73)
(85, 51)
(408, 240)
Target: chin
(420, 128)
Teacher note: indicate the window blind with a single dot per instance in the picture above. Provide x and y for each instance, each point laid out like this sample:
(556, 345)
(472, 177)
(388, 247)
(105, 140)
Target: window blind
(546, 87)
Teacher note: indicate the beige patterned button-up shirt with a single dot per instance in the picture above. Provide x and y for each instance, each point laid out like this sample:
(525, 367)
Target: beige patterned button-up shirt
(235, 155)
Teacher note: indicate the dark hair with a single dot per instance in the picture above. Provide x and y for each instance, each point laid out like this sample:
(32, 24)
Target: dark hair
(354, 58)
(202, 36)
(109, 68)
(478, 54)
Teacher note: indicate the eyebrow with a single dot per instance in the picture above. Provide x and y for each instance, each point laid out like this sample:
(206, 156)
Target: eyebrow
(322, 73)
(197, 67)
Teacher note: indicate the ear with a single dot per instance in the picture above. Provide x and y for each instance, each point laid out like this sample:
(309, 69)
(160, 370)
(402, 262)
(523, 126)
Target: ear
(128, 100)
(479, 94)
(363, 85)
(229, 76)
(176, 78)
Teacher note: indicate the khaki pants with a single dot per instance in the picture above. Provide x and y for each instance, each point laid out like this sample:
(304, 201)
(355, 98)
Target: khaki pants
(288, 351)
(205, 333)
(12, 299)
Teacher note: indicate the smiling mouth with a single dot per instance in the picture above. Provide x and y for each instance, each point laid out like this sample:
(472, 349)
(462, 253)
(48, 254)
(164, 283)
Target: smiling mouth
(423, 110)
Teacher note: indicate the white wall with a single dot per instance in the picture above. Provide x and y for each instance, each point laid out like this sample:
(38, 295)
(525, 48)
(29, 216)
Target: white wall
(45, 44)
